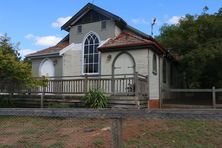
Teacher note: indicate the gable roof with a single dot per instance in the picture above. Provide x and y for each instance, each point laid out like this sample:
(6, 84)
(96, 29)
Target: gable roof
(128, 39)
(130, 36)
(86, 9)
(138, 32)
(51, 50)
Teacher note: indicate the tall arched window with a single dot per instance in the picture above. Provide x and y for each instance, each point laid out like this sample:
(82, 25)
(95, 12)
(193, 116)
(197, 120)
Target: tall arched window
(91, 55)
(154, 64)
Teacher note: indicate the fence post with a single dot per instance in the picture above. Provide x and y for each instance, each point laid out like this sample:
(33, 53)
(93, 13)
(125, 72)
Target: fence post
(117, 133)
(136, 84)
(113, 84)
(85, 83)
(214, 97)
(42, 98)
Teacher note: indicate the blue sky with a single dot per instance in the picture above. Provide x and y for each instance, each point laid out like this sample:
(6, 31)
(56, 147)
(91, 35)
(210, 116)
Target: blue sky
(35, 23)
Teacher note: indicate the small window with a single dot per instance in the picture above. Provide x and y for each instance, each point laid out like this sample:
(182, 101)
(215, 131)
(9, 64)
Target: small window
(164, 70)
(79, 29)
(154, 64)
(103, 25)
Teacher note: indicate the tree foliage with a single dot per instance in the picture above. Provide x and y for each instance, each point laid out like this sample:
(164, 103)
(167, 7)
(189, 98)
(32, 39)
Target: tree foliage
(13, 70)
(198, 40)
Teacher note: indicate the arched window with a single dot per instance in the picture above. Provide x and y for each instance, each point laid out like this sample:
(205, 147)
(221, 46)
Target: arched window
(91, 55)
(154, 64)
(47, 68)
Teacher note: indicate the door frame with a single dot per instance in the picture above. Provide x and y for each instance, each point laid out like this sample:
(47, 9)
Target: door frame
(117, 56)
(42, 63)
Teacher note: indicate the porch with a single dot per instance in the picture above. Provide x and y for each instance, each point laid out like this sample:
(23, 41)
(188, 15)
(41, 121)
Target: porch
(123, 90)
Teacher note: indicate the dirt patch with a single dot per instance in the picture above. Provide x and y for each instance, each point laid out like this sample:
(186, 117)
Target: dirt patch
(47, 132)
(88, 139)
(8, 140)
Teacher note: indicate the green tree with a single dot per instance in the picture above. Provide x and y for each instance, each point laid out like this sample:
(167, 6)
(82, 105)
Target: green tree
(13, 70)
(198, 40)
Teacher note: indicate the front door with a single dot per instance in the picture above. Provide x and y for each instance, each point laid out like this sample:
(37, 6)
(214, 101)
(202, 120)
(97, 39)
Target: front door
(123, 71)
(124, 65)
(47, 68)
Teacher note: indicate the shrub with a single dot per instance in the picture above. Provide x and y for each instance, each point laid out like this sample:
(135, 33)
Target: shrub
(95, 99)
(6, 103)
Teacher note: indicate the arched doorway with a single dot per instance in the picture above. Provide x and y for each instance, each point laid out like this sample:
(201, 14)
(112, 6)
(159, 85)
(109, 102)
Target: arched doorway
(123, 68)
(47, 68)
(123, 64)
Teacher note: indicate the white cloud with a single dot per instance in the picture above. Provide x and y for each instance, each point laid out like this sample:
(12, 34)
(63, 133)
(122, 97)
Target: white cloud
(174, 20)
(60, 21)
(140, 21)
(29, 36)
(44, 40)
(47, 40)
(24, 52)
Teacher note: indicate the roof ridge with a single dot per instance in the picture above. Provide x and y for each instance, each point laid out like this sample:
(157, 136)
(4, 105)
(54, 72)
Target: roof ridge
(136, 36)
(51, 49)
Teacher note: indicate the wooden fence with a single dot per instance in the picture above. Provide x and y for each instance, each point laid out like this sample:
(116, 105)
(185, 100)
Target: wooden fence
(200, 97)
(126, 90)
(122, 84)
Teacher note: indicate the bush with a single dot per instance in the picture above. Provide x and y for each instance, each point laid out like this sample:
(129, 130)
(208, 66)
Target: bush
(95, 99)
(6, 103)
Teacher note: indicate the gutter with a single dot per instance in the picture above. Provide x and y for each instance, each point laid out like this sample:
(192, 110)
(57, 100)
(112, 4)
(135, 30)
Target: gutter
(55, 54)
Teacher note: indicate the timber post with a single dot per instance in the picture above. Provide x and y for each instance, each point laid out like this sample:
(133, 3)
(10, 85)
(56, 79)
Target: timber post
(136, 84)
(42, 97)
(85, 83)
(214, 97)
(117, 132)
(112, 85)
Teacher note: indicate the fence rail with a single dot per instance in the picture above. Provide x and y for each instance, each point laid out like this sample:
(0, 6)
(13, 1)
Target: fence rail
(121, 84)
(214, 95)
(116, 116)
(115, 113)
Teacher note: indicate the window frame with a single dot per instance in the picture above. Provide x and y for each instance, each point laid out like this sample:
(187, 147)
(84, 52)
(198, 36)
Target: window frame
(105, 26)
(90, 54)
(79, 31)
(154, 64)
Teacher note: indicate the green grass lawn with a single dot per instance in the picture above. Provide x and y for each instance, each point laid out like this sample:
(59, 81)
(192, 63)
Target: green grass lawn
(60, 132)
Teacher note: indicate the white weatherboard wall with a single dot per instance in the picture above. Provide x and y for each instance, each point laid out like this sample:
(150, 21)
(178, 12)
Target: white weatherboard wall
(154, 84)
(72, 61)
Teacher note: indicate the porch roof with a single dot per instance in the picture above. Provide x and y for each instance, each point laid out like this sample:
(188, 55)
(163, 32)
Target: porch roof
(51, 50)
(128, 39)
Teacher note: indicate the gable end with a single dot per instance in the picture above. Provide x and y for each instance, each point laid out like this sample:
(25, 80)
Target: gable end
(103, 15)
